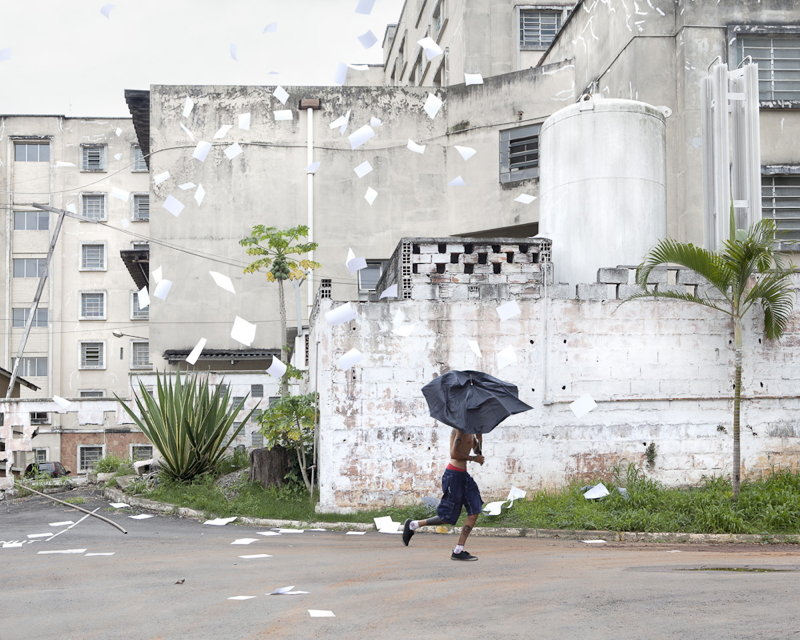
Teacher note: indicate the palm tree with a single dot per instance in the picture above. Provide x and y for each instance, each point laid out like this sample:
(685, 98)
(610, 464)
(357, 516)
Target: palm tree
(277, 248)
(745, 272)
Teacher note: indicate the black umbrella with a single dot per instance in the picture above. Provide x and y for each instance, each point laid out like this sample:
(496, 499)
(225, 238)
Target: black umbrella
(472, 401)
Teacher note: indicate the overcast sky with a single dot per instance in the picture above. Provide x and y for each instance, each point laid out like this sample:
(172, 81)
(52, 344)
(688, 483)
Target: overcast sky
(67, 57)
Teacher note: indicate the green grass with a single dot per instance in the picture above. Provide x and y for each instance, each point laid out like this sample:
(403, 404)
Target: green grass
(768, 506)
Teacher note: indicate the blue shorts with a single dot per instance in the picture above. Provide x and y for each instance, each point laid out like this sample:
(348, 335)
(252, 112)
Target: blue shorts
(458, 490)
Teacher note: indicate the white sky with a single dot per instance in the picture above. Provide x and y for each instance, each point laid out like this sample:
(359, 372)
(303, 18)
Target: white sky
(66, 57)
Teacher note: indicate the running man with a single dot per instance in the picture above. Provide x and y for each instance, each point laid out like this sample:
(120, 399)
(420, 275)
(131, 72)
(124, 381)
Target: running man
(459, 490)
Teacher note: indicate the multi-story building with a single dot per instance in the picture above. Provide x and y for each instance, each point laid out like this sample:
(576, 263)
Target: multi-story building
(89, 334)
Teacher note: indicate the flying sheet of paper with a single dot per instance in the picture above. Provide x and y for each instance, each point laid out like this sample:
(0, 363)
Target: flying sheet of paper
(506, 357)
(524, 198)
(597, 491)
(161, 177)
(432, 105)
(465, 152)
(360, 136)
(280, 94)
(220, 522)
(5, 54)
(365, 6)
(119, 505)
(199, 195)
(233, 50)
(341, 314)
(473, 344)
(64, 523)
(389, 292)
(59, 163)
(458, 181)
(162, 289)
(493, 508)
(71, 551)
(195, 354)
(244, 121)
(144, 298)
(157, 275)
(253, 556)
(245, 541)
(283, 114)
(370, 196)
(241, 597)
(234, 150)
(141, 516)
(416, 148)
(63, 403)
(223, 131)
(243, 331)
(173, 205)
(340, 75)
(404, 330)
(186, 131)
(188, 105)
(357, 67)
(353, 263)
(367, 39)
(276, 370)
(272, 27)
(431, 48)
(201, 150)
(313, 168)
(583, 405)
(186, 186)
(120, 194)
(375, 122)
(363, 169)
(473, 78)
(222, 281)
(516, 493)
(508, 310)
(341, 121)
(349, 359)
(321, 613)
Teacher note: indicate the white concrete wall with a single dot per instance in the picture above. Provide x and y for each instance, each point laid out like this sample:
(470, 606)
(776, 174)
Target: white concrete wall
(660, 371)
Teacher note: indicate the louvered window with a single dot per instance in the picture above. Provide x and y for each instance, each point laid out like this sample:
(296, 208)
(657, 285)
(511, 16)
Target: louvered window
(538, 27)
(94, 157)
(780, 201)
(519, 153)
(92, 355)
(778, 59)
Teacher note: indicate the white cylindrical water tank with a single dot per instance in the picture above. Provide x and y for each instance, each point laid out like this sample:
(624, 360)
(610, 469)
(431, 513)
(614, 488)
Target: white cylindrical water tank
(602, 185)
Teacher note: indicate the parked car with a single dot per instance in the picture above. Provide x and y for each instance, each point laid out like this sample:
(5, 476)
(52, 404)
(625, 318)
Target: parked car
(52, 469)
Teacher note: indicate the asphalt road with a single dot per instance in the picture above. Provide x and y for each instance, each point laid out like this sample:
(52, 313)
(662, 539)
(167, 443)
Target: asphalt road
(375, 587)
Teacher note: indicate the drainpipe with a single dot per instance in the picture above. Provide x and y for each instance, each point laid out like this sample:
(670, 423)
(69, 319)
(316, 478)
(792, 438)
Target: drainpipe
(310, 105)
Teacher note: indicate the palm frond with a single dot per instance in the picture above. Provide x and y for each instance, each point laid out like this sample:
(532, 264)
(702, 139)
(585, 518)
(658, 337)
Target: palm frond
(675, 295)
(703, 262)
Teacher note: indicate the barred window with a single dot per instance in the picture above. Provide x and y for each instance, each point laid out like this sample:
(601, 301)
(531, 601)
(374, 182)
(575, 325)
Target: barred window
(137, 312)
(93, 157)
(141, 452)
(137, 159)
(538, 27)
(141, 207)
(93, 305)
(94, 206)
(519, 153)
(140, 355)
(88, 455)
(780, 201)
(778, 58)
(93, 257)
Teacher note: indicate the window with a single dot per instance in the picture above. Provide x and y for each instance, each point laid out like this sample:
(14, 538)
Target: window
(93, 257)
(137, 313)
(33, 366)
(141, 452)
(140, 246)
(235, 400)
(257, 390)
(257, 439)
(88, 455)
(93, 355)
(40, 417)
(137, 159)
(140, 355)
(91, 393)
(519, 153)
(93, 157)
(94, 206)
(273, 400)
(93, 305)
(778, 58)
(40, 455)
(436, 18)
(780, 201)
(20, 315)
(368, 278)
(31, 221)
(32, 151)
(29, 267)
(141, 207)
(538, 27)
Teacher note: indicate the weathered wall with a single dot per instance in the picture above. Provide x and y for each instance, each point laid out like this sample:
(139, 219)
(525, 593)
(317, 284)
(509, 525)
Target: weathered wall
(660, 372)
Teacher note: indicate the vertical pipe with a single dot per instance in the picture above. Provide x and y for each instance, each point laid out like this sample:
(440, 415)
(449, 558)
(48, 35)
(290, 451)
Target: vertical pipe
(310, 197)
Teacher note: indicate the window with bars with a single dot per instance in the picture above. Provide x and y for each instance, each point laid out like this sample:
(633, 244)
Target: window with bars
(140, 355)
(780, 201)
(141, 452)
(31, 221)
(33, 366)
(91, 393)
(137, 313)
(141, 207)
(93, 157)
(94, 206)
(20, 315)
(32, 151)
(257, 390)
(88, 456)
(93, 305)
(538, 27)
(93, 257)
(28, 267)
(519, 153)
(93, 355)
(257, 439)
(137, 159)
(40, 417)
(778, 58)
(40, 455)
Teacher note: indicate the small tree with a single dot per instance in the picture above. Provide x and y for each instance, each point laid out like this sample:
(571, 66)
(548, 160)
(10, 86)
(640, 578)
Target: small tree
(745, 272)
(289, 422)
(276, 249)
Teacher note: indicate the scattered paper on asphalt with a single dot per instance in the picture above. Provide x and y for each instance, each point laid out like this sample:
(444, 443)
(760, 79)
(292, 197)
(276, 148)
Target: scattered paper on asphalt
(173, 205)
(281, 95)
(220, 522)
(321, 613)
(162, 289)
(11, 544)
(40, 535)
(473, 78)
(597, 491)
(60, 524)
(349, 359)
(243, 331)
(389, 292)
(195, 354)
(465, 152)
(360, 136)
(254, 556)
(286, 591)
(64, 551)
(268, 533)
(222, 281)
(583, 405)
(119, 505)
(245, 541)
(241, 597)
(291, 530)
(525, 198)
(341, 314)
(141, 516)
(432, 105)
(598, 541)
(201, 150)
(509, 310)
(363, 169)
(101, 553)
(355, 533)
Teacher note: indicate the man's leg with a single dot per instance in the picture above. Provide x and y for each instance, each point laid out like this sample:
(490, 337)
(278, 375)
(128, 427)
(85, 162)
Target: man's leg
(458, 551)
(410, 526)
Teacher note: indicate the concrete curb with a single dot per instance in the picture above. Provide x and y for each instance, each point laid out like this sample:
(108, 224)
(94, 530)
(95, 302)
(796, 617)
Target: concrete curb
(499, 532)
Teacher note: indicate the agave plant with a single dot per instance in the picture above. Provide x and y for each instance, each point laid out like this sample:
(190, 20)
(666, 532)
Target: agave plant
(189, 424)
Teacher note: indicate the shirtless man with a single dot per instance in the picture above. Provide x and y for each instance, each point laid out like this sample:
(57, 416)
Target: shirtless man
(459, 490)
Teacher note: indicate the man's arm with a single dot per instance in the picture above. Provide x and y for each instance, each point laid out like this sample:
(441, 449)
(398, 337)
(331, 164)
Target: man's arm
(460, 447)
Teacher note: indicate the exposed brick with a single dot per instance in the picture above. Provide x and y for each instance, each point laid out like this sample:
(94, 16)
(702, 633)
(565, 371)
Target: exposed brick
(687, 276)
(612, 276)
(627, 290)
(454, 248)
(596, 292)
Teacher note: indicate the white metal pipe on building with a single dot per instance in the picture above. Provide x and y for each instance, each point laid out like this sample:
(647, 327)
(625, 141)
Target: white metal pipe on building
(310, 198)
